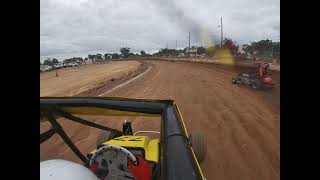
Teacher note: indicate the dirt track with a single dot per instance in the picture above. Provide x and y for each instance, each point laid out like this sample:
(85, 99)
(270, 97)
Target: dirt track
(242, 126)
(72, 81)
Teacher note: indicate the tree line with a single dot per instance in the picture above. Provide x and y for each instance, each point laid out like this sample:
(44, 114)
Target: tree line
(262, 46)
(124, 53)
(259, 48)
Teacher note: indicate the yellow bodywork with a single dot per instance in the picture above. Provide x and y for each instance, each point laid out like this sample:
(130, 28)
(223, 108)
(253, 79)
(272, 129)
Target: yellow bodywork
(150, 147)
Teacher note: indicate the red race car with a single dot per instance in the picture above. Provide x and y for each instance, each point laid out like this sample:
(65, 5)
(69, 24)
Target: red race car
(257, 77)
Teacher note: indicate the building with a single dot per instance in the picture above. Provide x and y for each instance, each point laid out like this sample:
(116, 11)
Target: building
(87, 61)
(192, 52)
(181, 55)
(109, 56)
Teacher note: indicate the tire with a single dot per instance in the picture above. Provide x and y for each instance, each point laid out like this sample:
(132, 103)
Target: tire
(105, 136)
(256, 85)
(199, 145)
(234, 81)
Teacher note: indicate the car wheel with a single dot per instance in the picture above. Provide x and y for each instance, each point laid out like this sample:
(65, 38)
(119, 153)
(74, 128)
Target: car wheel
(199, 145)
(255, 85)
(234, 81)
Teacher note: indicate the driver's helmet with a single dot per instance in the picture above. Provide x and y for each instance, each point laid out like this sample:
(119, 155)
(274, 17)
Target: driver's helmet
(64, 170)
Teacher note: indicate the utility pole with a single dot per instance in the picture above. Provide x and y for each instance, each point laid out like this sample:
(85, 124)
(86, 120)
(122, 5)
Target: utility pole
(189, 40)
(221, 29)
(176, 44)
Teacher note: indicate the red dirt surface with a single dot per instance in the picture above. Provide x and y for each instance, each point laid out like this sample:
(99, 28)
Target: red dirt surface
(242, 126)
(75, 80)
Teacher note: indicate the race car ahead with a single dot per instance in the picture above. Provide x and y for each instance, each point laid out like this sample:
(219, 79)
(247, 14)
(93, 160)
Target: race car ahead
(257, 77)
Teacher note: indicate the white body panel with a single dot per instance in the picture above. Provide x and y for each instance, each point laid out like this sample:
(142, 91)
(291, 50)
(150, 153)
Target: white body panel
(64, 170)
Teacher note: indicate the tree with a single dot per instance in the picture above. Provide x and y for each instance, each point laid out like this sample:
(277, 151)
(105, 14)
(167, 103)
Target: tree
(125, 51)
(265, 46)
(91, 57)
(74, 59)
(142, 53)
(115, 56)
(248, 49)
(54, 61)
(106, 56)
(201, 50)
(47, 62)
(276, 47)
(98, 56)
(231, 45)
(265, 49)
(168, 52)
(80, 59)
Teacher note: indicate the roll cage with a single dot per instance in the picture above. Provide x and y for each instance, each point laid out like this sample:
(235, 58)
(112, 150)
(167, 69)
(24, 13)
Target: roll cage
(177, 159)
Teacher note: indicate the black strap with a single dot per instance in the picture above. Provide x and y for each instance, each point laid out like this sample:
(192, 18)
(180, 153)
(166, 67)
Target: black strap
(46, 135)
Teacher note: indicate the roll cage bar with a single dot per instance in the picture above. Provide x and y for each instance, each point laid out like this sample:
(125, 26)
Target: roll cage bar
(177, 160)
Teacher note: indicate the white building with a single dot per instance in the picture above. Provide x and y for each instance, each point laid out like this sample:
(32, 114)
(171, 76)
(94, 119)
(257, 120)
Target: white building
(87, 61)
(192, 52)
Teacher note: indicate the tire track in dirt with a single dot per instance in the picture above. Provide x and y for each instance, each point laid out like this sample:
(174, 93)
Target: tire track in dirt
(253, 133)
(234, 93)
(224, 118)
(228, 72)
(115, 82)
(209, 102)
(258, 111)
(234, 104)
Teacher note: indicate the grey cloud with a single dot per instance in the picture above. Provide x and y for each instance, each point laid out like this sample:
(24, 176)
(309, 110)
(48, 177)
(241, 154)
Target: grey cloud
(84, 26)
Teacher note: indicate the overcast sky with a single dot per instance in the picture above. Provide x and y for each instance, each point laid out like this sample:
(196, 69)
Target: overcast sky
(77, 27)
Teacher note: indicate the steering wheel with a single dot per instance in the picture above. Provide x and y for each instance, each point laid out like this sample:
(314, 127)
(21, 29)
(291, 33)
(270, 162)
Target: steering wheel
(110, 162)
